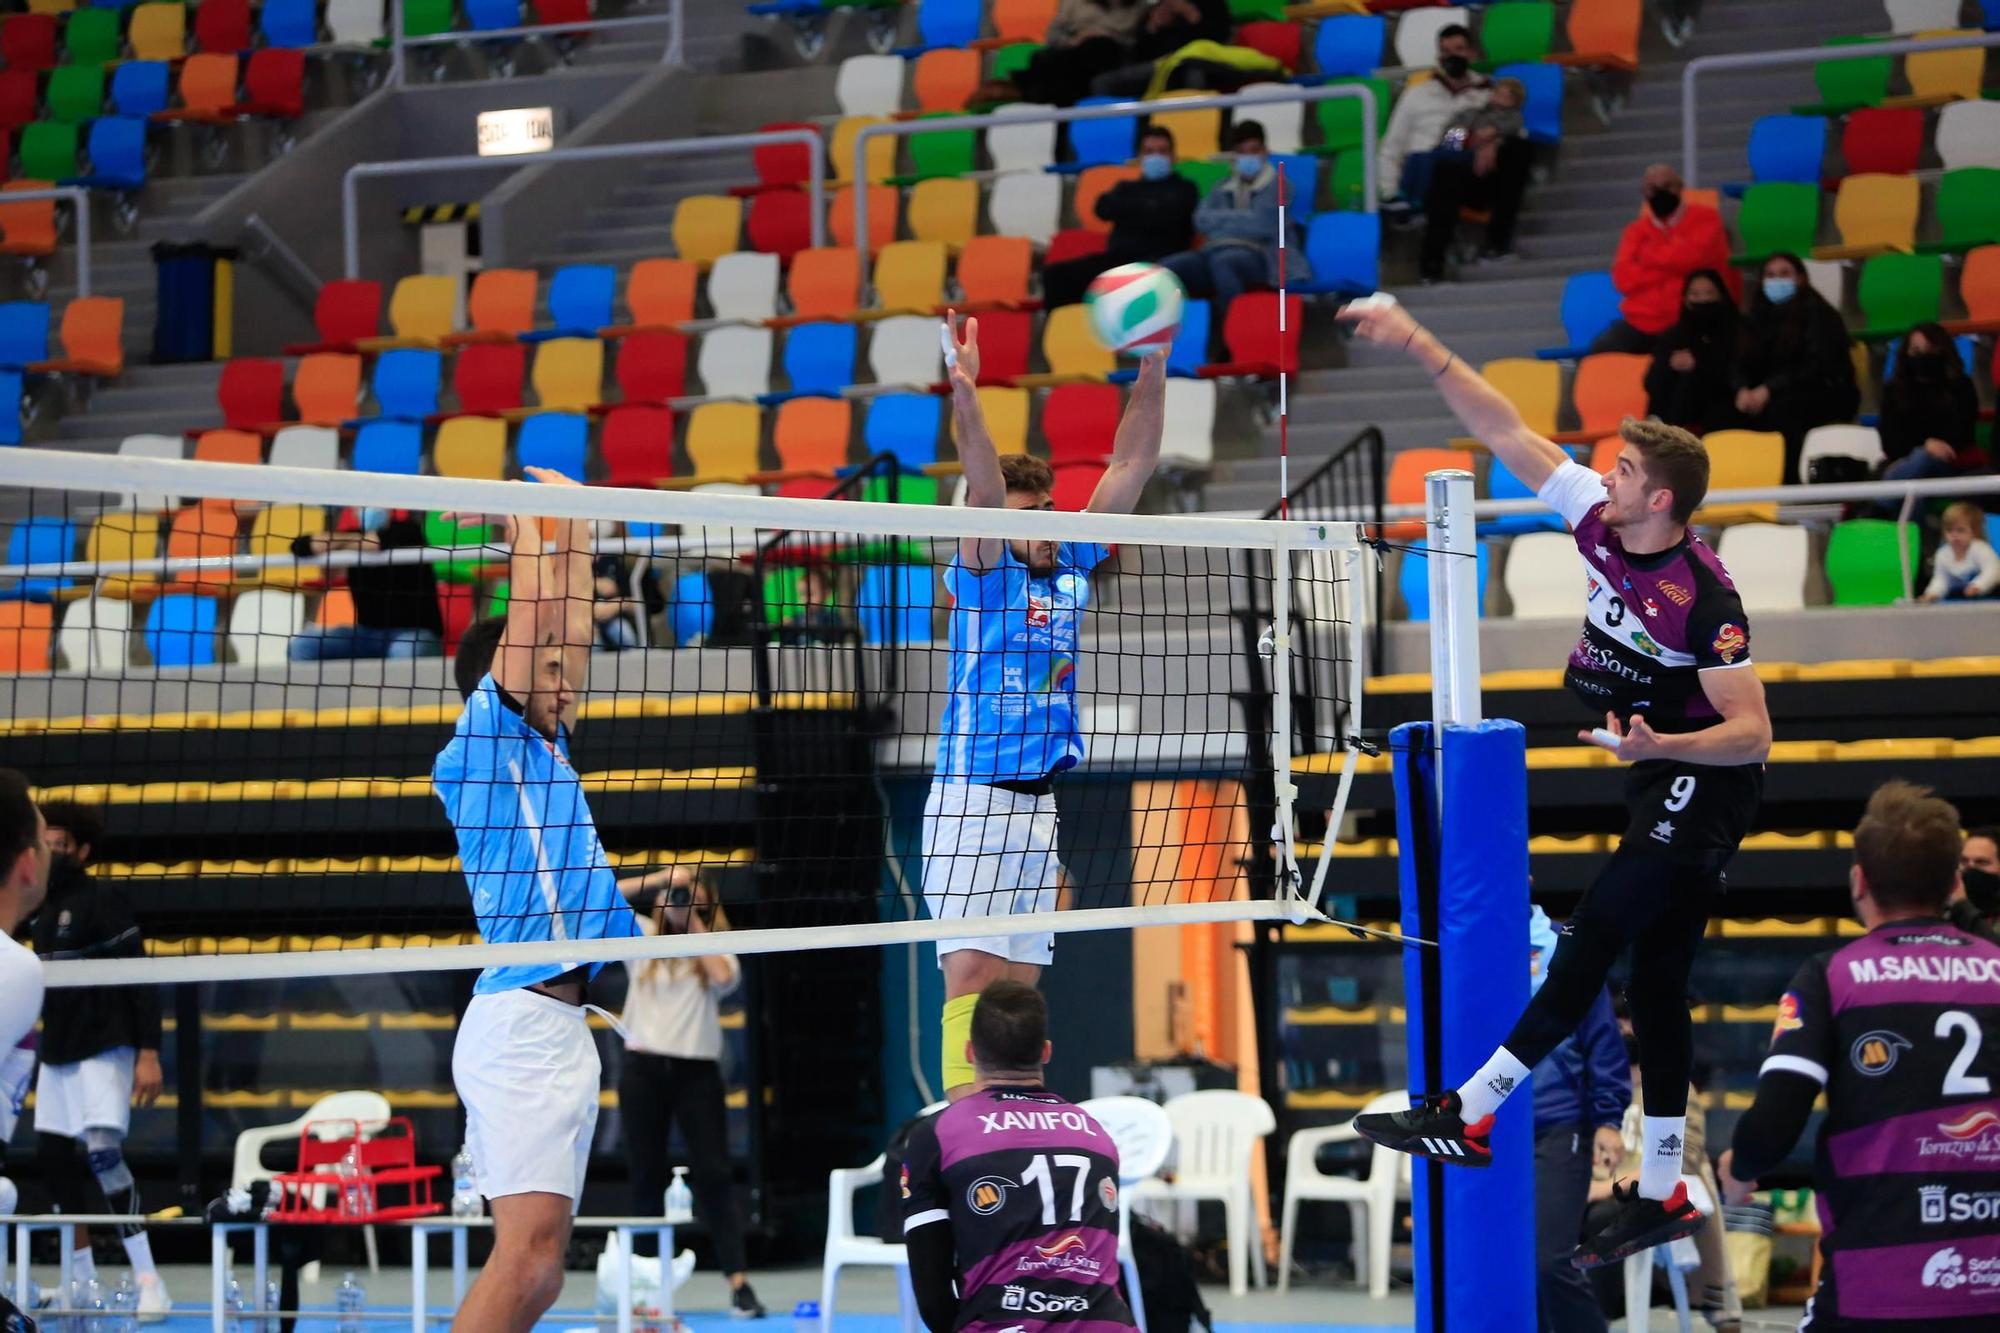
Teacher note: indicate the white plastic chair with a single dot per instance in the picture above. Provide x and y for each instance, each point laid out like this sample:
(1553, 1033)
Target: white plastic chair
(1417, 34)
(1026, 203)
(358, 1106)
(1781, 553)
(1679, 1259)
(1829, 278)
(96, 635)
(869, 86)
(354, 22)
(1143, 1134)
(1028, 146)
(735, 361)
(1370, 1200)
(845, 1249)
(1859, 442)
(1190, 428)
(1215, 1133)
(1913, 16)
(1543, 574)
(744, 286)
(306, 446)
(1283, 122)
(903, 349)
(1968, 134)
(149, 446)
(262, 624)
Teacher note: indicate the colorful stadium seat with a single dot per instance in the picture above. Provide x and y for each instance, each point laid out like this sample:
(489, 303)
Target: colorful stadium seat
(811, 435)
(659, 293)
(1006, 413)
(1603, 34)
(474, 447)
(346, 311)
(1968, 209)
(355, 23)
(1343, 250)
(290, 23)
(941, 153)
(706, 227)
(735, 362)
(75, 93)
(1787, 148)
(116, 147)
(93, 338)
(944, 79)
(1863, 565)
(28, 41)
(652, 366)
(909, 276)
(1417, 30)
(1079, 421)
(637, 444)
(580, 300)
(948, 22)
(251, 391)
(1968, 135)
(1543, 109)
(487, 377)
(1021, 20)
(307, 447)
(1609, 387)
(1413, 581)
(24, 333)
(568, 374)
(722, 439)
(1094, 182)
(140, 87)
(421, 310)
(326, 387)
(1777, 216)
(781, 166)
(1029, 205)
(405, 383)
(1847, 84)
(1897, 291)
(1071, 348)
(1885, 140)
(559, 441)
(245, 447)
(384, 445)
(274, 84)
(1027, 146)
(819, 358)
(222, 25)
(744, 286)
(48, 150)
(40, 539)
(1349, 44)
(1533, 387)
(91, 37)
(1514, 31)
(780, 223)
(499, 305)
(1107, 141)
(207, 89)
(1282, 42)
(1407, 470)
(204, 531)
(944, 210)
(1861, 443)
(994, 271)
(1937, 77)
(880, 163)
(1250, 330)
(1004, 337)
(1742, 460)
(903, 349)
(180, 631)
(905, 425)
(884, 207)
(1874, 214)
(824, 283)
(1589, 304)
(869, 85)
(1979, 289)
(20, 97)
(1341, 126)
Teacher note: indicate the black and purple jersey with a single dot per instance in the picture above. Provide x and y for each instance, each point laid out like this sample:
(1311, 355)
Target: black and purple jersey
(1651, 623)
(1029, 1186)
(1902, 1029)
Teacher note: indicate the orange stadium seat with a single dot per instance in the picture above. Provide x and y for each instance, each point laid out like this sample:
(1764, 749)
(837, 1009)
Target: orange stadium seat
(994, 270)
(884, 205)
(1406, 484)
(93, 338)
(327, 387)
(659, 293)
(201, 532)
(824, 283)
(1093, 182)
(500, 305)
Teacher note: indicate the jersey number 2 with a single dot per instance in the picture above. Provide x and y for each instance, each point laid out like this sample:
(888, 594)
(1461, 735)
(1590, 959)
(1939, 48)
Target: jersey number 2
(1038, 1173)
(1680, 793)
(1956, 1081)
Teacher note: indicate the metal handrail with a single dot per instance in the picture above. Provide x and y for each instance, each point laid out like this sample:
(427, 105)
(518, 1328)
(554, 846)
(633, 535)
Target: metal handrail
(79, 196)
(350, 232)
(1800, 55)
(1026, 114)
(398, 43)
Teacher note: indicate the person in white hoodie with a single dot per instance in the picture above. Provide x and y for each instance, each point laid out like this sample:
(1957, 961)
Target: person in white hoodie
(1402, 159)
(1965, 565)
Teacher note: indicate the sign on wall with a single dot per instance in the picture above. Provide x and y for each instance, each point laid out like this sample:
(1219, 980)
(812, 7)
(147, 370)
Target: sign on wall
(516, 130)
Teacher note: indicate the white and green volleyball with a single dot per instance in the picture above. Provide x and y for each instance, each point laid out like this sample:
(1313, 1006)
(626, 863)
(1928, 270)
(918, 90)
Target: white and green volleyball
(1135, 307)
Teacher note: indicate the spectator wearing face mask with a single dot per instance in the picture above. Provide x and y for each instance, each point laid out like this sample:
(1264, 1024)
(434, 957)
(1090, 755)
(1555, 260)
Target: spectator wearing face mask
(1425, 110)
(1929, 410)
(1795, 371)
(1657, 251)
(1975, 907)
(395, 606)
(1150, 218)
(1692, 381)
(1238, 223)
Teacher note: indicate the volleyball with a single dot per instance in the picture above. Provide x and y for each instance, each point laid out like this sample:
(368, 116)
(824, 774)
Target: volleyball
(1135, 307)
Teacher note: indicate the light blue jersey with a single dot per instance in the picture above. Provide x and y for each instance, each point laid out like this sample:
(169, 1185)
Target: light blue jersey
(1012, 712)
(526, 839)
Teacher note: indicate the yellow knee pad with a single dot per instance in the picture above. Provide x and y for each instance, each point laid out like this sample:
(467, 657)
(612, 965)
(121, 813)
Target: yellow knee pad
(957, 1033)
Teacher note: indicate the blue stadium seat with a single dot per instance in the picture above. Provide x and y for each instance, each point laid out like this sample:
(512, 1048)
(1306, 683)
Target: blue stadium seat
(693, 609)
(1502, 484)
(39, 541)
(406, 383)
(289, 22)
(486, 15)
(139, 87)
(580, 297)
(1097, 141)
(1968, 353)
(1302, 179)
(1189, 352)
(1543, 111)
(906, 425)
(1350, 45)
(389, 446)
(819, 358)
(180, 630)
(24, 334)
(1415, 582)
(1788, 148)
(1589, 303)
(895, 603)
(556, 440)
(1344, 250)
(949, 22)
(117, 148)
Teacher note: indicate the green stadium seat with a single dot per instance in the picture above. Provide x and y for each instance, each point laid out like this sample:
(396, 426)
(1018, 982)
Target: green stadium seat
(91, 37)
(1205, 174)
(1897, 291)
(1777, 216)
(1518, 30)
(1968, 210)
(1012, 58)
(942, 153)
(1846, 84)
(76, 92)
(1340, 118)
(1349, 179)
(426, 18)
(1862, 565)
(48, 150)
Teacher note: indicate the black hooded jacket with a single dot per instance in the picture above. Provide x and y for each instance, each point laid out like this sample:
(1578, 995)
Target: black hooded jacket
(88, 917)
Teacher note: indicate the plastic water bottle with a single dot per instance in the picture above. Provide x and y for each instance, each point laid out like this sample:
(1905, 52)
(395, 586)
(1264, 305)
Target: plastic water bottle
(125, 1306)
(272, 1299)
(465, 1201)
(232, 1305)
(805, 1317)
(357, 1196)
(348, 1303)
(94, 1307)
(680, 1200)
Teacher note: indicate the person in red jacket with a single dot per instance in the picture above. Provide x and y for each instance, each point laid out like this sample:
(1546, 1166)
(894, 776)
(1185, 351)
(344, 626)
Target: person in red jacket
(1656, 253)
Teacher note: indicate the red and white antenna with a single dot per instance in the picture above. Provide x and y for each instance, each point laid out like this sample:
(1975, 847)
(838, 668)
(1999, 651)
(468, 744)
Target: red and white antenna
(1284, 370)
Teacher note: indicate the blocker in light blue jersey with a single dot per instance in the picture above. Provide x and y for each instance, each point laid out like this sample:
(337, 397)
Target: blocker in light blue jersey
(1012, 711)
(526, 839)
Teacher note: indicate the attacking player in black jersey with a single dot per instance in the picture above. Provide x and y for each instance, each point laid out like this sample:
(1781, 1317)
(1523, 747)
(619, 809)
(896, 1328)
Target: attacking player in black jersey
(1664, 658)
(1901, 1029)
(1012, 1192)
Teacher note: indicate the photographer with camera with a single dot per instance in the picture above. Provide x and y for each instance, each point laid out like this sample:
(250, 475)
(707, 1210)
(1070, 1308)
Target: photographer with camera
(673, 1067)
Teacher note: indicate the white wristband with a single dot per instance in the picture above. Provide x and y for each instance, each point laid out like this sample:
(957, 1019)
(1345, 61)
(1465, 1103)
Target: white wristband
(945, 341)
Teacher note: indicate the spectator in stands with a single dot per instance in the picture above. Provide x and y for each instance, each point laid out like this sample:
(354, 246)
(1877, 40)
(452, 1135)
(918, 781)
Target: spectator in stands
(1169, 26)
(1692, 381)
(1965, 567)
(1975, 905)
(1238, 223)
(673, 1070)
(1795, 372)
(1582, 1089)
(396, 610)
(615, 614)
(1150, 218)
(1085, 39)
(100, 1049)
(1929, 410)
(1480, 162)
(1657, 251)
(1422, 114)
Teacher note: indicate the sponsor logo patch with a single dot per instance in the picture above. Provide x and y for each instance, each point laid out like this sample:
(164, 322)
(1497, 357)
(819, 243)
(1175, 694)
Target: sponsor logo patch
(1644, 643)
(1730, 643)
(987, 1195)
(1015, 1297)
(1675, 593)
(1651, 607)
(1788, 1015)
(906, 1180)
(1938, 1204)
(1875, 1053)
(1107, 1192)
(1066, 1255)
(1038, 611)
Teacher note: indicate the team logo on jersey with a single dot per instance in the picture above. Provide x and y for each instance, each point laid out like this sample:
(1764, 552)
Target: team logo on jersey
(1930, 1203)
(1644, 643)
(1038, 611)
(1972, 1126)
(1651, 607)
(1068, 1254)
(906, 1180)
(1788, 1015)
(1938, 1204)
(1675, 593)
(1730, 641)
(1107, 1191)
(987, 1195)
(1875, 1053)
(1945, 1269)
(1591, 587)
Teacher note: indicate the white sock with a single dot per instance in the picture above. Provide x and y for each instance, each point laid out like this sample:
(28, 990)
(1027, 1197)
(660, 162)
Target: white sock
(1485, 1090)
(139, 1249)
(1660, 1140)
(82, 1266)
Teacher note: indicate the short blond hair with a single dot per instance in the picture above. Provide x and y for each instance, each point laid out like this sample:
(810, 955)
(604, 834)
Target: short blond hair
(1959, 511)
(1675, 460)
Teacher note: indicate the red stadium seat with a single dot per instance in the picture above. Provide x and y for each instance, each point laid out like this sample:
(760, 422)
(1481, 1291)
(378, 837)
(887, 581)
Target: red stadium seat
(562, 11)
(781, 166)
(1075, 483)
(20, 97)
(1075, 243)
(28, 42)
(345, 310)
(1004, 336)
(1251, 332)
(652, 366)
(1883, 139)
(1283, 42)
(638, 444)
(487, 377)
(1079, 420)
(781, 223)
(251, 392)
(222, 25)
(274, 82)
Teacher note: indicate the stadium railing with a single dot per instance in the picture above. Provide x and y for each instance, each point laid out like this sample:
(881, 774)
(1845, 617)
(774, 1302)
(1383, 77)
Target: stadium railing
(350, 195)
(672, 55)
(1800, 55)
(79, 196)
(1021, 114)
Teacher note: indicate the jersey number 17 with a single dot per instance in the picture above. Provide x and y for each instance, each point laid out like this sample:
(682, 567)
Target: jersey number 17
(1040, 1174)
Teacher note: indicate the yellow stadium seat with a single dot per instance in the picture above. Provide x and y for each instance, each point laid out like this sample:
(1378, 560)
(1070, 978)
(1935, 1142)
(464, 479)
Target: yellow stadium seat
(909, 277)
(1071, 348)
(1895, 748)
(1197, 134)
(706, 227)
(271, 533)
(471, 447)
(722, 439)
(158, 32)
(569, 374)
(1006, 411)
(881, 162)
(1742, 460)
(945, 209)
(1874, 212)
(422, 311)
(1937, 77)
(119, 537)
(1533, 387)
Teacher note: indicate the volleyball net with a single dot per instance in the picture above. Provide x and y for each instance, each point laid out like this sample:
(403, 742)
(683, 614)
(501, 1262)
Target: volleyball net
(247, 674)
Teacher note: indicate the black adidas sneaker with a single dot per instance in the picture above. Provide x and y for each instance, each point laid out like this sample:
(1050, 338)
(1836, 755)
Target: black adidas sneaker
(1640, 1225)
(1434, 1129)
